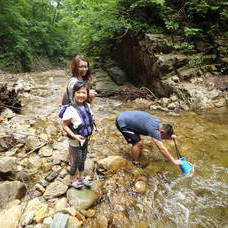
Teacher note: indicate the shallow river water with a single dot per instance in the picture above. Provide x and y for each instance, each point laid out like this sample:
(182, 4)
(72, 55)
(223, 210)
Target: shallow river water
(172, 199)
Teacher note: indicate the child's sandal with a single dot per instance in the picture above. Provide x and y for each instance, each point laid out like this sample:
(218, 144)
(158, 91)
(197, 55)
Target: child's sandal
(87, 181)
(78, 184)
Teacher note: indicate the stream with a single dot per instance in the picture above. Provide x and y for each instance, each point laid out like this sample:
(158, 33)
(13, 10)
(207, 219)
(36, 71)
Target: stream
(172, 199)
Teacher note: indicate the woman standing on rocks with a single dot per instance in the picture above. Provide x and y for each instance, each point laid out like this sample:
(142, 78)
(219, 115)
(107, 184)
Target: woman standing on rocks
(80, 71)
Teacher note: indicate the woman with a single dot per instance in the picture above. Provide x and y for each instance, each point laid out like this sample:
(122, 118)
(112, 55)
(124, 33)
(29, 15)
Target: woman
(80, 71)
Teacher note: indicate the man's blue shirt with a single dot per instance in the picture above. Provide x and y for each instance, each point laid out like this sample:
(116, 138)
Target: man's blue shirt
(141, 123)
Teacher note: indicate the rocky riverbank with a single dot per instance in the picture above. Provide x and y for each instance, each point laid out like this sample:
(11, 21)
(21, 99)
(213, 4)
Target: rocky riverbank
(34, 180)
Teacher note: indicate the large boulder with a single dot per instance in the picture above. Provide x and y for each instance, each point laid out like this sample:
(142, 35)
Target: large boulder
(104, 84)
(10, 191)
(117, 75)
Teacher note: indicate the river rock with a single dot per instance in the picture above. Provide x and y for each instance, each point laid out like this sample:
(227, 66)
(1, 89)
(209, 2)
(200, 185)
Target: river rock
(73, 222)
(45, 151)
(55, 189)
(120, 219)
(8, 113)
(60, 220)
(102, 221)
(117, 75)
(47, 221)
(90, 213)
(104, 84)
(27, 219)
(41, 214)
(51, 129)
(112, 163)
(32, 207)
(7, 142)
(35, 162)
(10, 191)
(10, 218)
(53, 174)
(31, 143)
(140, 187)
(7, 164)
(121, 201)
(164, 101)
(173, 105)
(220, 102)
(61, 204)
(81, 199)
(69, 210)
(60, 155)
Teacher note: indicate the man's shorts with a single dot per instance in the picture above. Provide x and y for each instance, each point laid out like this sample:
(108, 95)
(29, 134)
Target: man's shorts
(130, 136)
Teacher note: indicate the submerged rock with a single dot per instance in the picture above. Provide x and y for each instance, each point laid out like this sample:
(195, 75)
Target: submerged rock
(81, 199)
(140, 187)
(111, 164)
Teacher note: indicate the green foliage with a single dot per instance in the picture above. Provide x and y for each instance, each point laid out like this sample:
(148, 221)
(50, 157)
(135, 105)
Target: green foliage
(197, 61)
(171, 25)
(192, 32)
(26, 30)
(184, 46)
(62, 28)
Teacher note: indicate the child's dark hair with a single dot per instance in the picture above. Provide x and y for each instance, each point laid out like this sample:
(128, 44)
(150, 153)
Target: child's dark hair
(79, 84)
(168, 128)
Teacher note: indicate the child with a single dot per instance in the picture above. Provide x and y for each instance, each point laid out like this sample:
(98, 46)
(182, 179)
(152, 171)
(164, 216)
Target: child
(78, 124)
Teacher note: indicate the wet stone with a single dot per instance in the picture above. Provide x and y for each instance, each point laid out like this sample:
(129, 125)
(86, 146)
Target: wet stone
(10, 191)
(81, 199)
(60, 220)
(73, 222)
(7, 164)
(55, 189)
(52, 175)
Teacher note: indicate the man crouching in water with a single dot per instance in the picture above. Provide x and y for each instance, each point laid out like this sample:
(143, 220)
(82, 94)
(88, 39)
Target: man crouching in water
(134, 123)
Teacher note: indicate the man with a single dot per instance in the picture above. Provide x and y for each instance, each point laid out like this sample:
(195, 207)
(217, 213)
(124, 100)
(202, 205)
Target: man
(134, 123)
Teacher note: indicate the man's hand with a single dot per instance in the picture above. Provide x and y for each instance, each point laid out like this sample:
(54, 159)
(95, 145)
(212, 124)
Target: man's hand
(177, 162)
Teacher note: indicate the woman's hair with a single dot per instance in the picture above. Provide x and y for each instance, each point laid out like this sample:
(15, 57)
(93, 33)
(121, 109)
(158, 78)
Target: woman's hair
(75, 65)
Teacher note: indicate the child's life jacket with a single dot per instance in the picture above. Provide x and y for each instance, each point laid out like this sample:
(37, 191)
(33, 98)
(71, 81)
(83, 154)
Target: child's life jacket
(85, 129)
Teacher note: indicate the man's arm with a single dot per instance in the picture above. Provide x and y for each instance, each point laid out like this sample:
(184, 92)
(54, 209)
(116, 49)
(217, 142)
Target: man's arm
(165, 152)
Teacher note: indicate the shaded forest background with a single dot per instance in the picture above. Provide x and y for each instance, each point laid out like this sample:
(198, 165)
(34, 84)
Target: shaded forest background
(46, 32)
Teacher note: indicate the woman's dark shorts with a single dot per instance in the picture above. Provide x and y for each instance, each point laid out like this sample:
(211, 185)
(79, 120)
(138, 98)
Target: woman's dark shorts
(130, 136)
